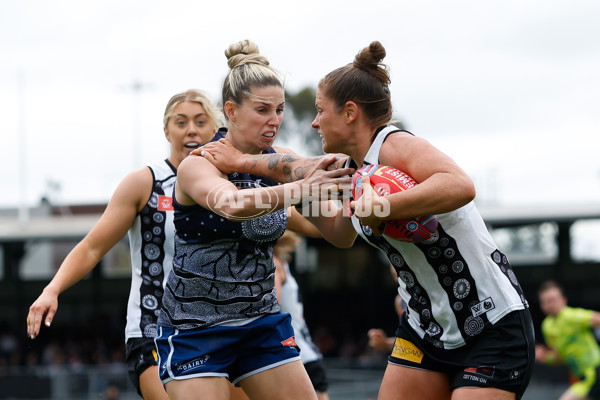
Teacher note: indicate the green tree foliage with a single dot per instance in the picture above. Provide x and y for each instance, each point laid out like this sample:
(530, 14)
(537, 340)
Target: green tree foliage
(303, 103)
(296, 131)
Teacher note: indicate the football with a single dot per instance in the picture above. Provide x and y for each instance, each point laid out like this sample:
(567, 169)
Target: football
(386, 180)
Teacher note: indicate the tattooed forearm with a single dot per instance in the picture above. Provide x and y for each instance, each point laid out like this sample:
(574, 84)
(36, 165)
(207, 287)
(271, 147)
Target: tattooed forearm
(289, 158)
(300, 172)
(287, 172)
(285, 167)
(273, 161)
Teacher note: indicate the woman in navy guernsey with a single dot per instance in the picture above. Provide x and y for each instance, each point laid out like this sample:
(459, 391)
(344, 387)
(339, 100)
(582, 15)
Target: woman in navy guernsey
(140, 206)
(220, 319)
(467, 332)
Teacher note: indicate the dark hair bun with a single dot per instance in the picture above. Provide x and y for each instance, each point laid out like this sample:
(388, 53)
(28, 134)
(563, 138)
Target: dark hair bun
(370, 59)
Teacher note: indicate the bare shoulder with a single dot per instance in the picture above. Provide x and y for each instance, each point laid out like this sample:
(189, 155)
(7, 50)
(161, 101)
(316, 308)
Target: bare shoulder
(139, 176)
(403, 141)
(400, 148)
(133, 191)
(196, 166)
(416, 156)
(137, 182)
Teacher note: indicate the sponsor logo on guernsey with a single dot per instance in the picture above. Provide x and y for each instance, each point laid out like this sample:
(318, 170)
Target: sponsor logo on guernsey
(194, 364)
(479, 374)
(291, 342)
(406, 350)
(482, 307)
(165, 203)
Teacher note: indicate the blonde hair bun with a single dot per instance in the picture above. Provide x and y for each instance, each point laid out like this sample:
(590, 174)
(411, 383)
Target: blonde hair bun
(244, 52)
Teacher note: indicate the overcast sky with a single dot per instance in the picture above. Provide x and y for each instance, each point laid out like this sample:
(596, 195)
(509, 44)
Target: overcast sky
(510, 89)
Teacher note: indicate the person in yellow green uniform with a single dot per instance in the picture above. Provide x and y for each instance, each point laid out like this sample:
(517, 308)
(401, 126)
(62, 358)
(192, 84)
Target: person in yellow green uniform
(569, 337)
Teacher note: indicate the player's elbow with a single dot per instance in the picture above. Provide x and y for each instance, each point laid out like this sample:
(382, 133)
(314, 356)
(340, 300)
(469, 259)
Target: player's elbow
(464, 191)
(469, 192)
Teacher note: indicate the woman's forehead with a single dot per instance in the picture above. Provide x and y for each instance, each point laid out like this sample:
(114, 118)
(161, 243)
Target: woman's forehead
(271, 95)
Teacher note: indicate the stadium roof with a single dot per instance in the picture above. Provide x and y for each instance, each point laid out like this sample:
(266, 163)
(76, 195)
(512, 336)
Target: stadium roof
(534, 214)
(76, 226)
(50, 227)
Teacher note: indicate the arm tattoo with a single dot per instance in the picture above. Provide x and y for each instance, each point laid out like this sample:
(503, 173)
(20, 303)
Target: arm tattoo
(273, 161)
(287, 172)
(288, 167)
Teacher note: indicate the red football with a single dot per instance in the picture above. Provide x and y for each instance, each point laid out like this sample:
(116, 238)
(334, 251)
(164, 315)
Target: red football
(386, 180)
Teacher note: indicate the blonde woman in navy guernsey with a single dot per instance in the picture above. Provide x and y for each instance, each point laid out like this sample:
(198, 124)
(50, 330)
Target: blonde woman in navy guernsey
(467, 332)
(142, 207)
(220, 319)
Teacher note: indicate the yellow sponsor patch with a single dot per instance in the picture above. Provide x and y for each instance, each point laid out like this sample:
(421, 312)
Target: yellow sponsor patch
(406, 350)
(154, 355)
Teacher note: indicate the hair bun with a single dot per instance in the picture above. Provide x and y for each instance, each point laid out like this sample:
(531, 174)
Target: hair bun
(244, 52)
(370, 59)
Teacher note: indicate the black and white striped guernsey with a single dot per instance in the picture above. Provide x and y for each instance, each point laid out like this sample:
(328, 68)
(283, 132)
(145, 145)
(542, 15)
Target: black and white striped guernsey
(151, 247)
(455, 283)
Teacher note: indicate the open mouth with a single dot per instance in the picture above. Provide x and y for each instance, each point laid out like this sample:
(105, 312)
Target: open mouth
(191, 145)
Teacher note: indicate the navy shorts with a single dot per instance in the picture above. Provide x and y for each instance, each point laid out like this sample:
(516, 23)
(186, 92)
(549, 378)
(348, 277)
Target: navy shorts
(234, 352)
(502, 356)
(140, 354)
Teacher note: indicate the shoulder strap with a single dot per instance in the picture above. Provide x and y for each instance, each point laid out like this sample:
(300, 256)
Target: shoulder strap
(372, 156)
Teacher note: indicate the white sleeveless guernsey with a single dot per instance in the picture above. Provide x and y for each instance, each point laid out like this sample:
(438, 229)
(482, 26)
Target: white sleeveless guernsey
(455, 283)
(289, 301)
(151, 245)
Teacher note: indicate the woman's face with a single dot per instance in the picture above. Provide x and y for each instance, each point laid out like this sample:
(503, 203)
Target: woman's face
(255, 123)
(329, 123)
(188, 127)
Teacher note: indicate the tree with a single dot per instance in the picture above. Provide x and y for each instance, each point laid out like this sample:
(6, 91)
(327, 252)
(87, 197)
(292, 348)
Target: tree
(297, 132)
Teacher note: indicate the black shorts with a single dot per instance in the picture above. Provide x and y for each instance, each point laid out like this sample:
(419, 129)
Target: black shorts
(140, 354)
(317, 375)
(500, 357)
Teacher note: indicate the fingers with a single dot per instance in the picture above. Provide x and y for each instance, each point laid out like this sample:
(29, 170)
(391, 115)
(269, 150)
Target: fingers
(326, 161)
(367, 189)
(201, 151)
(49, 318)
(208, 155)
(369, 208)
(35, 316)
(196, 152)
(363, 206)
(346, 172)
(34, 320)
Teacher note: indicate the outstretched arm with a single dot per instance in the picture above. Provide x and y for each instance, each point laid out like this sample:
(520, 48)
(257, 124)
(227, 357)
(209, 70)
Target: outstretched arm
(286, 168)
(199, 182)
(282, 166)
(112, 226)
(297, 223)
